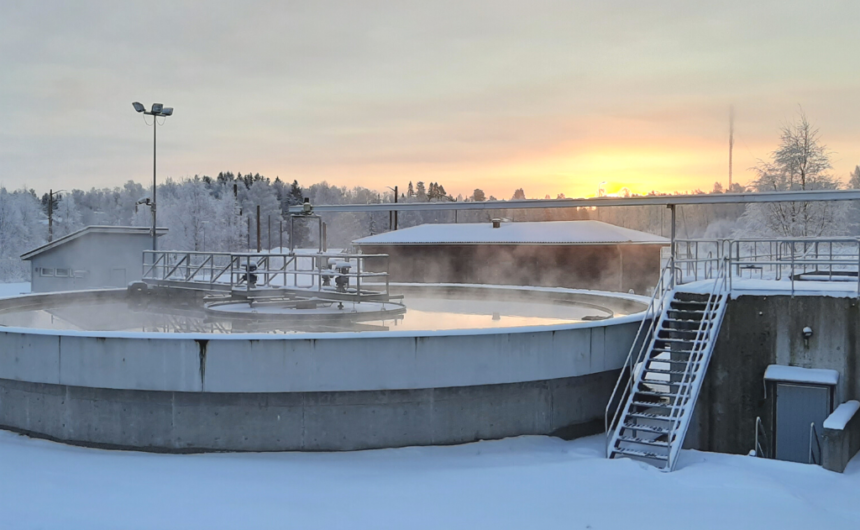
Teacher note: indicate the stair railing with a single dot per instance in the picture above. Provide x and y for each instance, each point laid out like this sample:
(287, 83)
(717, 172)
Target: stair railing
(686, 388)
(813, 437)
(761, 450)
(634, 357)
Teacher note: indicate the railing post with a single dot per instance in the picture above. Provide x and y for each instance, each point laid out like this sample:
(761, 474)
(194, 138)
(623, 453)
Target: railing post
(358, 278)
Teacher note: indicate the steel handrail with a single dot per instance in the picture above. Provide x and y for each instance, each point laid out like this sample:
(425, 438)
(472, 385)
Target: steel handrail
(813, 435)
(657, 300)
(760, 451)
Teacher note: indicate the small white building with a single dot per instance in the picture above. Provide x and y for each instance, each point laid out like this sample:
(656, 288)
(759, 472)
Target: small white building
(91, 258)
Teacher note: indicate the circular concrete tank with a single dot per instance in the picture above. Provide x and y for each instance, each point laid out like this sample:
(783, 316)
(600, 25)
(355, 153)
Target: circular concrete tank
(511, 361)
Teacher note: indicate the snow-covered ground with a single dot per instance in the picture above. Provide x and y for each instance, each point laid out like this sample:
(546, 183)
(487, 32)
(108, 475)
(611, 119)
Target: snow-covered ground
(14, 289)
(527, 482)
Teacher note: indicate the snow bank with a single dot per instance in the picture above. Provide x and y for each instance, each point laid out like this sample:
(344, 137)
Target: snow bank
(842, 415)
(8, 290)
(527, 482)
(796, 374)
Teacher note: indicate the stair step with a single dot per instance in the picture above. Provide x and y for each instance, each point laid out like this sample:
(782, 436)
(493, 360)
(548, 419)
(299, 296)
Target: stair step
(663, 382)
(694, 328)
(645, 428)
(684, 341)
(708, 324)
(642, 441)
(641, 454)
(690, 311)
(670, 361)
(658, 394)
(650, 404)
(688, 352)
(652, 416)
(667, 372)
(681, 295)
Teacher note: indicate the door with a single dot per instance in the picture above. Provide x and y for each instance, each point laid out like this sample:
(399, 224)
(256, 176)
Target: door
(797, 406)
(117, 278)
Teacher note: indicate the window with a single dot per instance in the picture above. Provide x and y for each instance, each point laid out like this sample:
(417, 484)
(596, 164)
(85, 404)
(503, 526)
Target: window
(81, 274)
(63, 273)
(47, 272)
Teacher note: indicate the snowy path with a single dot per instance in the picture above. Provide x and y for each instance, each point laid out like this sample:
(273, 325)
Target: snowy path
(528, 482)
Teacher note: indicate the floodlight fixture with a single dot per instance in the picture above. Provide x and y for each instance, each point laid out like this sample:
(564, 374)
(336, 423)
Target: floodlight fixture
(157, 110)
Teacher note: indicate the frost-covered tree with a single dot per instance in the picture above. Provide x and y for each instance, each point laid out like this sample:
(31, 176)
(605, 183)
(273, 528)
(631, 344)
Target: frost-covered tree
(23, 227)
(261, 193)
(801, 162)
(67, 216)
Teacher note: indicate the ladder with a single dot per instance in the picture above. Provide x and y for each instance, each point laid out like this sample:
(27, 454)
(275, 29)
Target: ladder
(661, 381)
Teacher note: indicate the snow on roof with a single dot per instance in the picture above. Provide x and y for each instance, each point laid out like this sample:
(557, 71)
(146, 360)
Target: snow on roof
(796, 374)
(510, 233)
(94, 229)
(842, 415)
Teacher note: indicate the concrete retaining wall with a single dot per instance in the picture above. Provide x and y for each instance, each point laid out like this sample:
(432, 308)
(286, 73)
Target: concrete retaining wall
(763, 330)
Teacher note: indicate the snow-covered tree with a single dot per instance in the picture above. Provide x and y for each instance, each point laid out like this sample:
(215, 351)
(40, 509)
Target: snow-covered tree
(23, 227)
(801, 162)
(67, 216)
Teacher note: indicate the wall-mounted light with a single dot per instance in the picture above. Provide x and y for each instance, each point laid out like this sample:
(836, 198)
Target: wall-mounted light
(807, 334)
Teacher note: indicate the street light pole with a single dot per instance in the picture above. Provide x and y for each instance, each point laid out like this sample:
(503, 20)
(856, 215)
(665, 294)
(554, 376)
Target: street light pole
(154, 129)
(158, 110)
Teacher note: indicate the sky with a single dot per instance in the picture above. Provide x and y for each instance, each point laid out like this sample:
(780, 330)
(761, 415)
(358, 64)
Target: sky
(552, 97)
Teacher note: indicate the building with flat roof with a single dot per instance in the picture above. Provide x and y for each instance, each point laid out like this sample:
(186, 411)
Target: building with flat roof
(575, 254)
(91, 258)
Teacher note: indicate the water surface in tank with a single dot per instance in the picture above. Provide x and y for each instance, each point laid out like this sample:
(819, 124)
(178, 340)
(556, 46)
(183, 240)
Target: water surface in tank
(424, 312)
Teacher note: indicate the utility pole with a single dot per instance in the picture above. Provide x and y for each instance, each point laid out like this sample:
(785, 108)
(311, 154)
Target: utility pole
(269, 232)
(259, 246)
(248, 235)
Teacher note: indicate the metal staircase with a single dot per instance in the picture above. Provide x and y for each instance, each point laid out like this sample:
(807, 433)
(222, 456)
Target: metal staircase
(660, 382)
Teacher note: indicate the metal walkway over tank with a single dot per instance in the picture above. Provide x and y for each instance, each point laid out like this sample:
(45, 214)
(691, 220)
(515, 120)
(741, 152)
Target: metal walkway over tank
(329, 276)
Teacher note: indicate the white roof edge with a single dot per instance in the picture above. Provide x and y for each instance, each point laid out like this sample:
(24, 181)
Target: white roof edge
(559, 233)
(92, 229)
(796, 374)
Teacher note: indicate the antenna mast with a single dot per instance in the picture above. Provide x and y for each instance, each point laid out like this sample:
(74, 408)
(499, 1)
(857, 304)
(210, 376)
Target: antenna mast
(731, 142)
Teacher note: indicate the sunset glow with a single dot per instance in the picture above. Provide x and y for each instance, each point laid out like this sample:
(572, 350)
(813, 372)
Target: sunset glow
(552, 98)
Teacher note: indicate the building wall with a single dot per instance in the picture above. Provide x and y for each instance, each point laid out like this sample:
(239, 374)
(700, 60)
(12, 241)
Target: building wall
(93, 261)
(600, 267)
(763, 330)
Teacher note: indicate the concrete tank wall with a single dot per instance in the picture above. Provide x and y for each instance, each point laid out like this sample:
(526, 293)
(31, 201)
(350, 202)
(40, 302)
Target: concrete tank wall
(343, 391)
(315, 421)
